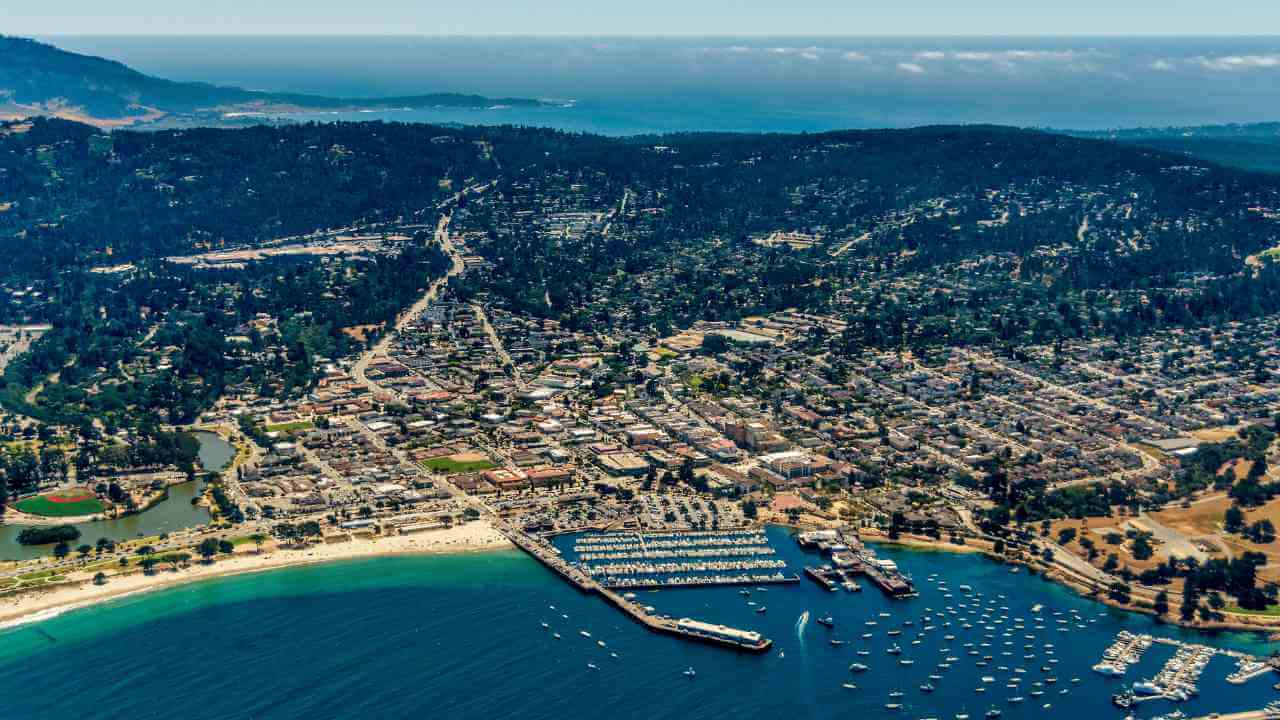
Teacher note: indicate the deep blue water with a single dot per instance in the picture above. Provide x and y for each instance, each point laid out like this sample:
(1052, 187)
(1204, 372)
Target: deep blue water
(460, 637)
(635, 85)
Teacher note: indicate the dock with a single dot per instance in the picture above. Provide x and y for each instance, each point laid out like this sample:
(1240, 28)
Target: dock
(685, 628)
(850, 557)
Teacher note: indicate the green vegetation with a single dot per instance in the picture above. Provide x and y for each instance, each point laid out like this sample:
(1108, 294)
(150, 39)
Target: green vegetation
(447, 465)
(48, 535)
(53, 506)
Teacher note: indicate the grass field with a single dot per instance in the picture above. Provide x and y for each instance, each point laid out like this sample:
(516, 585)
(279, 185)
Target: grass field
(1271, 611)
(450, 465)
(64, 504)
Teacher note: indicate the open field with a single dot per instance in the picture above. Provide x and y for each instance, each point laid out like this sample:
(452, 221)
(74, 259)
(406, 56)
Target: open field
(65, 504)
(458, 463)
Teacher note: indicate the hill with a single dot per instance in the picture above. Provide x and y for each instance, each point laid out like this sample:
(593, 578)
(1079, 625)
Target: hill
(40, 79)
(1249, 146)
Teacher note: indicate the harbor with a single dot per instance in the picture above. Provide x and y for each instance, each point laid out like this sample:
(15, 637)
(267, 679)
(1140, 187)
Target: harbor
(686, 628)
(404, 621)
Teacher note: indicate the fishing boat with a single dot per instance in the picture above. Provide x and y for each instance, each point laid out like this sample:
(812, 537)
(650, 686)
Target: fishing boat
(993, 713)
(926, 688)
(895, 650)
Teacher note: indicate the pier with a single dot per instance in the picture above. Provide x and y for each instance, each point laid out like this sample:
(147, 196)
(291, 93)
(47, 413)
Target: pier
(850, 557)
(686, 628)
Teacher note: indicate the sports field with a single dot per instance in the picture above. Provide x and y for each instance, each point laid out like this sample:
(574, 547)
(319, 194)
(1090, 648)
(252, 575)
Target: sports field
(65, 503)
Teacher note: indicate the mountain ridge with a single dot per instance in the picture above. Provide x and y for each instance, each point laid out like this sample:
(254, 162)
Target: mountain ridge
(37, 78)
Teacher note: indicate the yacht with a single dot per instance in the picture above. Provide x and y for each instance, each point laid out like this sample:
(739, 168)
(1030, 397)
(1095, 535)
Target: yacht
(690, 672)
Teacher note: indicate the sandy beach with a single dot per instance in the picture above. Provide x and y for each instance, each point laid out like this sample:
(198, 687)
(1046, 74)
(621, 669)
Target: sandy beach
(41, 604)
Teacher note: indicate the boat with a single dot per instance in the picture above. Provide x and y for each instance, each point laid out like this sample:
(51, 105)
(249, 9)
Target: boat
(993, 713)
(836, 642)
(893, 706)
(849, 686)
(690, 673)
(556, 635)
(545, 626)
(593, 666)
(761, 609)
(858, 667)
(827, 621)
(613, 655)
(906, 661)
(896, 694)
(584, 633)
(1108, 669)
(864, 653)
(1016, 699)
(926, 688)
(600, 643)
(895, 650)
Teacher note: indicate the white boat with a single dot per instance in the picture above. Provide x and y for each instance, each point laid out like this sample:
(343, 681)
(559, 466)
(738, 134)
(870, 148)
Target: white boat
(689, 673)
(584, 633)
(593, 666)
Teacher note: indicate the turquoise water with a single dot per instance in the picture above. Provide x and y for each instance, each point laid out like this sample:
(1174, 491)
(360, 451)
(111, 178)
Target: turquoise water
(460, 637)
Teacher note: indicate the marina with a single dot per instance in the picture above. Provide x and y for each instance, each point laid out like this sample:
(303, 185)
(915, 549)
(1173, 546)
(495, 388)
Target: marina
(393, 628)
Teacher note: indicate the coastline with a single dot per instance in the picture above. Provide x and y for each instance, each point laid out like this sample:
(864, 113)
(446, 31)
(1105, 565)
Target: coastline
(34, 606)
(1140, 603)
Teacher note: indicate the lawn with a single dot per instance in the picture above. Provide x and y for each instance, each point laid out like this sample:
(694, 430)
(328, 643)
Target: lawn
(62, 504)
(1270, 611)
(450, 465)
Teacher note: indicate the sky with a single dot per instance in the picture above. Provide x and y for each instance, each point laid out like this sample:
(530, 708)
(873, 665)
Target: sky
(645, 17)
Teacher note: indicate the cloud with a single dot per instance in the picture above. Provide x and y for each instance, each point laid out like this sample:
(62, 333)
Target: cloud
(1226, 63)
(855, 56)
(931, 55)
(1162, 65)
(810, 56)
(913, 68)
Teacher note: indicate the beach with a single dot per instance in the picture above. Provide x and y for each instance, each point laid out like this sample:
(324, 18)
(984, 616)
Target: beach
(37, 605)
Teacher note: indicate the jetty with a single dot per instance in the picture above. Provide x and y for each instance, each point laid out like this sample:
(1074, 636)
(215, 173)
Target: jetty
(686, 628)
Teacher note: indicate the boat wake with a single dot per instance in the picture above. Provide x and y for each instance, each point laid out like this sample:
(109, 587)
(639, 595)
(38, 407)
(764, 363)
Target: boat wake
(802, 622)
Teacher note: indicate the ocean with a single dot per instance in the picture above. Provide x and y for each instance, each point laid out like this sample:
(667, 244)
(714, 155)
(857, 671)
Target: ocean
(460, 637)
(622, 86)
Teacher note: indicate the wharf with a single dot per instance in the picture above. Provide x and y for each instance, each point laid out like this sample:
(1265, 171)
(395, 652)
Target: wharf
(685, 628)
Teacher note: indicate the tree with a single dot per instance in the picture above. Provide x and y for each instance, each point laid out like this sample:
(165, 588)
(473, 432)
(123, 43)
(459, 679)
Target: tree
(1142, 547)
(1233, 519)
(100, 579)
(208, 548)
(61, 550)
(749, 509)
(226, 547)
(148, 564)
(258, 539)
(1111, 563)
(1066, 535)
(1161, 604)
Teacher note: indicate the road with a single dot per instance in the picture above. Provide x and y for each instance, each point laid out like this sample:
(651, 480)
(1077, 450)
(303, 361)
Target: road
(360, 369)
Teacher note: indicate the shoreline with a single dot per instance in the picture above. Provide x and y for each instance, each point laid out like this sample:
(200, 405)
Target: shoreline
(37, 605)
(1265, 626)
